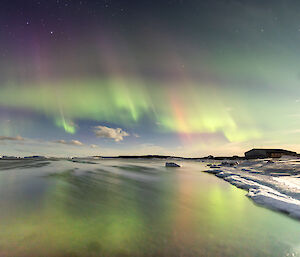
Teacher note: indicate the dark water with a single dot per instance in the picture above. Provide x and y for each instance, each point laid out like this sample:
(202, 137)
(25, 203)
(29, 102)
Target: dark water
(133, 208)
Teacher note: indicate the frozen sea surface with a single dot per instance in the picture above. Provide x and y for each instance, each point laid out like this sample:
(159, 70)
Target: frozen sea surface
(142, 208)
(272, 183)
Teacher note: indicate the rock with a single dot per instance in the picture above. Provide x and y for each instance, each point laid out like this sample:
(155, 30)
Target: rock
(172, 164)
(214, 166)
(213, 171)
(230, 164)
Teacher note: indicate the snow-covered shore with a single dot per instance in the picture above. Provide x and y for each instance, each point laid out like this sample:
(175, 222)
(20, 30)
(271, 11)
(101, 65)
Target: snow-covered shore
(274, 184)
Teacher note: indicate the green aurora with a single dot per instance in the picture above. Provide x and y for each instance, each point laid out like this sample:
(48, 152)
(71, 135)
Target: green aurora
(198, 81)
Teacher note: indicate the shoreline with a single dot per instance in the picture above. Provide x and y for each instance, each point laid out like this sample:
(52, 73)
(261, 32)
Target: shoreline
(274, 185)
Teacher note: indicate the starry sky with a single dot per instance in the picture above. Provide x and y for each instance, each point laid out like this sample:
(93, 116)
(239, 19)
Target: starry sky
(178, 77)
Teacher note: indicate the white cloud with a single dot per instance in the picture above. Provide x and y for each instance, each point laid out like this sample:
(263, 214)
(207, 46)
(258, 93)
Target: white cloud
(93, 146)
(53, 148)
(228, 109)
(105, 132)
(72, 142)
(76, 142)
(294, 115)
(294, 131)
(17, 138)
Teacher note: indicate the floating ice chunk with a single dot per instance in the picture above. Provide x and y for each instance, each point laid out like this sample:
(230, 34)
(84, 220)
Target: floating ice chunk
(224, 174)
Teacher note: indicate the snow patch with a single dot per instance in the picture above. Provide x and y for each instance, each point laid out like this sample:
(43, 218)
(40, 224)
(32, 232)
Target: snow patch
(262, 188)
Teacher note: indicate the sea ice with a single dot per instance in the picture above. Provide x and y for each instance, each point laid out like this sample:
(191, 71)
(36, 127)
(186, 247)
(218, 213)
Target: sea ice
(274, 184)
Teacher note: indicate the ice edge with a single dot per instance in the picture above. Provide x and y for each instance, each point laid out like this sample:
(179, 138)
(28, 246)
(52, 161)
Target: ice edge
(261, 194)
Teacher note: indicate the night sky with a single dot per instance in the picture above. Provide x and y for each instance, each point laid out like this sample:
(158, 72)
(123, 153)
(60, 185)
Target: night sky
(187, 78)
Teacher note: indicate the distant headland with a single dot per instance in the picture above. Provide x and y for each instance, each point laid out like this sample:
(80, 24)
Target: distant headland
(255, 153)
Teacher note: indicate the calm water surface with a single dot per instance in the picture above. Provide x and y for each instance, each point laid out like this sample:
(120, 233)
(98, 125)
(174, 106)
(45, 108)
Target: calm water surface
(133, 208)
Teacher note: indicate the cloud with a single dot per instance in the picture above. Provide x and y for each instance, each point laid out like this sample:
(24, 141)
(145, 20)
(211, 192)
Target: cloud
(294, 115)
(228, 109)
(105, 132)
(17, 138)
(93, 146)
(294, 131)
(72, 142)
